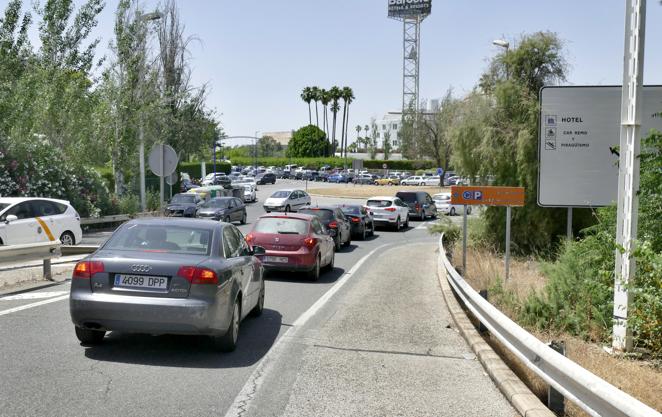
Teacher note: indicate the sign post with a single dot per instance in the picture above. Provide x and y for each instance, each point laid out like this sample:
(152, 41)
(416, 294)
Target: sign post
(487, 196)
(569, 224)
(162, 161)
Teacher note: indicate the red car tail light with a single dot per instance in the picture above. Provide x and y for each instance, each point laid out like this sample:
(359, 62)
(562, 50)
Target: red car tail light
(250, 238)
(355, 220)
(417, 206)
(87, 269)
(333, 224)
(196, 275)
(310, 242)
(391, 209)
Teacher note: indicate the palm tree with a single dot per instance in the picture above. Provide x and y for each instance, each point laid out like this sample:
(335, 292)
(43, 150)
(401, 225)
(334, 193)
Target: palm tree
(316, 97)
(358, 134)
(325, 98)
(348, 96)
(335, 93)
(366, 137)
(306, 95)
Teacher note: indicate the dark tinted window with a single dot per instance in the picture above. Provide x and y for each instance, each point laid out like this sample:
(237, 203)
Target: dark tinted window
(3, 206)
(22, 211)
(183, 199)
(42, 208)
(379, 203)
(407, 197)
(324, 214)
(281, 225)
(217, 203)
(351, 210)
(161, 238)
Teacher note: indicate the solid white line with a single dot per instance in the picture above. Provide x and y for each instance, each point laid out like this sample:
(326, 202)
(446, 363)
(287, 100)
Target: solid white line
(37, 304)
(33, 295)
(242, 401)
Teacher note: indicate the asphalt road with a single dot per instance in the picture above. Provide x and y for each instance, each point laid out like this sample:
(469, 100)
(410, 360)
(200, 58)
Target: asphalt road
(45, 371)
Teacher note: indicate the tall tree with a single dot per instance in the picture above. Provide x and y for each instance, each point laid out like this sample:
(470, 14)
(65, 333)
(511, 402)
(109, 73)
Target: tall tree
(307, 97)
(358, 135)
(386, 145)
(435, 139)
(366, 138)
(348, 96)
(336, 94)
(325, 98)
(316, 96)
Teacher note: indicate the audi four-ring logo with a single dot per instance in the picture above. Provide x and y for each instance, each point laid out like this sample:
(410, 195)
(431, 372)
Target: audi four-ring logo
(141, 268)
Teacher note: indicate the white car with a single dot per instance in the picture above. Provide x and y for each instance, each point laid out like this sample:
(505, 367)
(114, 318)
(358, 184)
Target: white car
(286, 200)
(443, 203)
(413, 180)
(389, 210)
(245, 181)
(249, 193)
(33, 220)
(433, 181)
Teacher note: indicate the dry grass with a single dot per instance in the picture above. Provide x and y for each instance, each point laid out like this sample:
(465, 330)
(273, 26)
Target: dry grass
(367, 191)
(640, 379)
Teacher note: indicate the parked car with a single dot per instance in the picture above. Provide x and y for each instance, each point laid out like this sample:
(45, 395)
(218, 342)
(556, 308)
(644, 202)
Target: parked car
(266, 178)
(389, 210)
(293, 242)
(360, 220)
(420, 203)
(322, 176)
(432, 181)
(32, 220)
(184, 205)
(217, 178)
(443, 203)
(286, 200)
(246, 180)
(413, 180)
(388, 180)
(226, 209)
(250, 195)
(186, 184)
(158, 276)
(332, 218)
(338, 178)
(363, 179)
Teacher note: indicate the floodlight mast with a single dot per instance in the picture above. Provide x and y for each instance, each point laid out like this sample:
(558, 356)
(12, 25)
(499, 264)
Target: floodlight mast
(411, 47)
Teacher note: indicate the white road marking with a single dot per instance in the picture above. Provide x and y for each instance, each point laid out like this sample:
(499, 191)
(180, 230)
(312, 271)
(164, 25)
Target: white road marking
(242, 401)
(33, 295)
(37, 304)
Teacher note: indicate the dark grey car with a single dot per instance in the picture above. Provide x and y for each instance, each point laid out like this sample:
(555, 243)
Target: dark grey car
(168, 276)
(227, 209)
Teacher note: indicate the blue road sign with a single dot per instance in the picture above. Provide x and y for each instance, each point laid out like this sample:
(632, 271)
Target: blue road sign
(440, 171)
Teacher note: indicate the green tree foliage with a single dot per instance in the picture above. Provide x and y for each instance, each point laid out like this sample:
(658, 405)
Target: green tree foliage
(386, 145)
(308, 141)
(583, 275)
(435, 136)
(268, 146)
(372, 143)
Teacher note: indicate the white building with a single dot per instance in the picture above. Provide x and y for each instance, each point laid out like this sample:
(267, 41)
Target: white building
(388, 123)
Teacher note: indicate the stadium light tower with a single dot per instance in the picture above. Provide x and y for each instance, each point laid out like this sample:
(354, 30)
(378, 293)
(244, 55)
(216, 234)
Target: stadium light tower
(411, 13)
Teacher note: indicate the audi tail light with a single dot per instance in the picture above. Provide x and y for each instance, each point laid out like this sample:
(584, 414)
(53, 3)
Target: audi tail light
(333, 224)
(196, 275)
(310, 242)
(355, 220)
(87, 269)
(391, 209)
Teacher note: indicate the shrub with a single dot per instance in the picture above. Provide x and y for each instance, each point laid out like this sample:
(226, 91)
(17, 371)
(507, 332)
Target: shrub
(129, 204)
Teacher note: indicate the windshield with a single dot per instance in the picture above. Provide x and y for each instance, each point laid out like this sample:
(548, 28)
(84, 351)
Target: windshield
(3, 206)
(355, 210)
(281, 225)
(217, 203)
(182, 199)
(161, 238)
(323, 214)
(281, 194)
(379, 203)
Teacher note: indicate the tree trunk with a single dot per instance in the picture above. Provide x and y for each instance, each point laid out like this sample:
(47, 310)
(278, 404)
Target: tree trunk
(317, 119)
(342, 133)
(333, 145)
(310, 115)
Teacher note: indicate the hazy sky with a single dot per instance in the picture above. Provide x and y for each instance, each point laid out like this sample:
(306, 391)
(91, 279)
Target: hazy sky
(257, 55)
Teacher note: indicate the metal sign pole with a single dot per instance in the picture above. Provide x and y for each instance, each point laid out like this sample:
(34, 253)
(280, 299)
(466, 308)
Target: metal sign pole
(162, 178)
(464, 241)
(141, 156)
(628, 173)
(508, 214)
(569, 224)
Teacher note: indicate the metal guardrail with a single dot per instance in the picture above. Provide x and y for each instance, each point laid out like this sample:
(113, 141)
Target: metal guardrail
(593, 394)
(30, 252)
(78, 250)
(116, 218)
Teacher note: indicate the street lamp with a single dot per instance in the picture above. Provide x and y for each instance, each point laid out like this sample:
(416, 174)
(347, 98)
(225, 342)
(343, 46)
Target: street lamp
(147, 17)
(506, 45)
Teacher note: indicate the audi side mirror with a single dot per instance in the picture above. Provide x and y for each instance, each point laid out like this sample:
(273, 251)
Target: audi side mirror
(10, 218)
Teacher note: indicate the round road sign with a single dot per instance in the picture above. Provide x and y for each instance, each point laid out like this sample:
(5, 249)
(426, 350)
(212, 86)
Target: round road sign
(169, 156)
(172, 178)
(385, 166)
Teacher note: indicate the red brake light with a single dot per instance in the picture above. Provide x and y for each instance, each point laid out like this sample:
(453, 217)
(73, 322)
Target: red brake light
(418, 206)
(250, 238)
(87, 269)
(310, 242)
(198, 275)
(333, 225)
(390, 209)
(355, 219)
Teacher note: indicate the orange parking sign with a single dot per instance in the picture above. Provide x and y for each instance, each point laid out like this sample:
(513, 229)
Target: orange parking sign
(487, 196)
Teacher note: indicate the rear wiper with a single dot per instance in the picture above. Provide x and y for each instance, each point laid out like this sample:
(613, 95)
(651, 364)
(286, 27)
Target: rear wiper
(280, 232)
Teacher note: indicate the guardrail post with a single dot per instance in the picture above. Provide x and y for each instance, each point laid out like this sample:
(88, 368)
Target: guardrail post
(481, 327)
(47, 270)
(555, 400)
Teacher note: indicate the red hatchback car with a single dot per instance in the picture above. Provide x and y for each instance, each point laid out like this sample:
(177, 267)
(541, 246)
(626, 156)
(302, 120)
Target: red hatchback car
(293, 242)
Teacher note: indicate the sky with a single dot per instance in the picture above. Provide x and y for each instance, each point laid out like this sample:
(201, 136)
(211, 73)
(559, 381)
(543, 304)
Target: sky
(257, 55)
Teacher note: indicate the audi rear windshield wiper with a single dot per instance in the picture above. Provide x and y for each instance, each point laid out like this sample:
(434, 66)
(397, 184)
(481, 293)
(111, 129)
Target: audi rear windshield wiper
(280, 232)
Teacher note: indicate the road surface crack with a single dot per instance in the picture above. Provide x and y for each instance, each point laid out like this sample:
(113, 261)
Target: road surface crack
(109, 380)
(396, 352)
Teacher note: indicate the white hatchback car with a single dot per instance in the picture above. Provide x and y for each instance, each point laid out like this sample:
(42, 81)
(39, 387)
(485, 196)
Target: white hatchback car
(413, 180)
(32, 220)
(389, 210)
(443, 203)
(286, 200)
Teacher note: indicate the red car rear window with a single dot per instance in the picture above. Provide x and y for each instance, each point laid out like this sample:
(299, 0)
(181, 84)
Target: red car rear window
(281, 225)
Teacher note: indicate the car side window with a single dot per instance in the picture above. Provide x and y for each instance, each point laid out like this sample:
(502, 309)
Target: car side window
(317, 226)
(244, 249)
(42, 208)
(21, 210)
(231, 244)
(340, 214)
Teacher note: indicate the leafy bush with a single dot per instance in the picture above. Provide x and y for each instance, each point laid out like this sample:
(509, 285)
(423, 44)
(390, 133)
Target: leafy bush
(153, 202)
(129, 204)
(451, 231)
(308, 141)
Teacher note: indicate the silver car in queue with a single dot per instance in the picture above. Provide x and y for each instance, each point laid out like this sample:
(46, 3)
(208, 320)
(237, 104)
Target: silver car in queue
(168, 276)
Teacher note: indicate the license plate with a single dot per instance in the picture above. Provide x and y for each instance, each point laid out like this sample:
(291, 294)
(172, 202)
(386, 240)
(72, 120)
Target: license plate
(141, 281)
(277, 259)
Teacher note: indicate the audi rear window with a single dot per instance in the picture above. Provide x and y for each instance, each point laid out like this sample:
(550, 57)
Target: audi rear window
(322, 214)
(281, 226)
(161, 238)
(379, 203)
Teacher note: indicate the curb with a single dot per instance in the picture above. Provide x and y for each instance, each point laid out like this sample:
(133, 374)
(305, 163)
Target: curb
(518, 394)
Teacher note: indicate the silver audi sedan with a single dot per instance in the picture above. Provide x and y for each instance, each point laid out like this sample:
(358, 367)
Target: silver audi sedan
(175, 276)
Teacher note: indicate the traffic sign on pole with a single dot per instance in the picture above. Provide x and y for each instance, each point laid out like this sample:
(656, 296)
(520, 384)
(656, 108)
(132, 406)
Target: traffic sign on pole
(165, 153)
